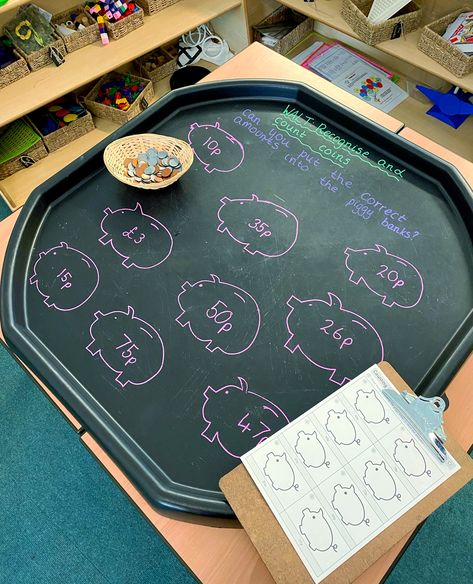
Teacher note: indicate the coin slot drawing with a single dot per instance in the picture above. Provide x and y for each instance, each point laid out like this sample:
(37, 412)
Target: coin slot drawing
(260, 226)
(279, 472)
(349, 506)
(316, 530)
(395, 280)
(143, 241)
(380, 481)
(370, 407)
(65, 277)
(311, 450)
(410, 458)
(324, 332)
(216, 149)
(223, 316)
(128, 345)
(239, 419)
(341, 428)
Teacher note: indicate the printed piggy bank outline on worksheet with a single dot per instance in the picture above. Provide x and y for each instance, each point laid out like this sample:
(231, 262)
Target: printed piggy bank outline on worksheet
(238, 418)
(261, 227)
(410, 458)
(280, 472)
(127, 345)
(143, 241)
(311, 450)
(341, 428)
(215, 148)
(380, 481)
(317, 531)
(370, 407)
(219, 314)
(344, 337)
(349, 506)
(65, 277)
(394, 279)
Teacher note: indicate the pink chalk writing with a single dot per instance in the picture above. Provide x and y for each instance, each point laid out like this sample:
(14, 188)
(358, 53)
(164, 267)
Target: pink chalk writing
(216, 149)
(65, 277)
(316, 327)
(238, 419)
(392, 278)
(260, 226)
(221, 315)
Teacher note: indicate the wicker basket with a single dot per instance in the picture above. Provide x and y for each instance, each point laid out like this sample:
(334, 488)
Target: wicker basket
(119, 28)
(119, 116)
(26, 158)
(355, 13)
(13, 72)
(80, 38)
(303, 28)
(158, 73)
(131, 146)
(40, 58)
(441, 50)
(68, 133)
(153, 6)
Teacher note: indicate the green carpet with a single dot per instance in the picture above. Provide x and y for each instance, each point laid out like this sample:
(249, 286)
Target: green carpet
(64, 521)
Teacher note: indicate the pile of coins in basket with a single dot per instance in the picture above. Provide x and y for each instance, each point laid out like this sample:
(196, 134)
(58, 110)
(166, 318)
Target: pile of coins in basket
(152, 166)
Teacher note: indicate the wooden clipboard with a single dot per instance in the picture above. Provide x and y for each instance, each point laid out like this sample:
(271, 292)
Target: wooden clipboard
(277, 551)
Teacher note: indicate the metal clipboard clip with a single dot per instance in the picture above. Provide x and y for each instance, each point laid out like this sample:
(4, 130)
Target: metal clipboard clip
(424, 416)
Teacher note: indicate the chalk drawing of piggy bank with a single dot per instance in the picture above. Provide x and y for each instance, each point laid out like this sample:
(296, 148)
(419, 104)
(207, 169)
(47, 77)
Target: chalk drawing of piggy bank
(311, 450)
(394, 279)
(127, 345)
(221, 315)
(65, 277)
(238, 418)
(261, 227)
(316, 530)
(215, 148)
(341, 428)
(370, 407)
(279, 472)
(410, 458)
(349, 506)
(380, 481)
(140, 239)
(332, 337)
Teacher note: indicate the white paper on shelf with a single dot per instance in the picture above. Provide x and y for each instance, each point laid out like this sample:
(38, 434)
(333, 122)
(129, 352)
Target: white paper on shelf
(301, 57)
(382, 10)
(344, 471)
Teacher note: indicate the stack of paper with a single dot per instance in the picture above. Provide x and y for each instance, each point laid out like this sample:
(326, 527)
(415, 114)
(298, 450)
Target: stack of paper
(383, 9)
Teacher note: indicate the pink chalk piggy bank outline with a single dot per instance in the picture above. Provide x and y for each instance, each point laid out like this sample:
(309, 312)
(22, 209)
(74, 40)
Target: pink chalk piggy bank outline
(85, 258)
(254, 198)
(381, 249)
(243, 386)
(107, 238)
(130, 313)
(332, 299)
(226, 135)
(216, 280)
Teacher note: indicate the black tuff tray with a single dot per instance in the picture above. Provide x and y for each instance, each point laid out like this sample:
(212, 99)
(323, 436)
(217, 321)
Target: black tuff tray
(183, 326)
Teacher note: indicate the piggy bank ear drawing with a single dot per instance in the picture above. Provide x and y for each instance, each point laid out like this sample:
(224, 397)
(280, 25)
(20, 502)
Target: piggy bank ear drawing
(284, 456)
(352, 488)
(397, 441)
(306, 511)
(344, 414)
(270, 455)
(383, 464)
(411, 441)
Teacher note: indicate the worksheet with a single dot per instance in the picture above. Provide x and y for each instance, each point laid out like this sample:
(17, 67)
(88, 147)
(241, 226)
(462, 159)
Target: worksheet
(344, 471)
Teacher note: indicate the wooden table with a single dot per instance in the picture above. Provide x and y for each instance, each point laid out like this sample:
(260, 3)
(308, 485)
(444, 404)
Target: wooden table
(234, 559)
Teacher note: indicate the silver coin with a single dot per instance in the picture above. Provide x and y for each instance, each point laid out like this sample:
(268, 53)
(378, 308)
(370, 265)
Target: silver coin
(162, 154)
(174, 162)
(149, 169)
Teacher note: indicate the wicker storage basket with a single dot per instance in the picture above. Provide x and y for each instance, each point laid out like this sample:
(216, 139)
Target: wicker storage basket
(153, 6)
(118, 151)
(119, 28)
(355, 13)
(116, 115)
(13, 72)
(68, 133)
(80, 38)
(40, 58)
(26, 158)
(158, 73)
(303, 28)
(439, 49)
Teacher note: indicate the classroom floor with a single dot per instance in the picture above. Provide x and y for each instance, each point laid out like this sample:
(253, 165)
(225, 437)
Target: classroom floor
(63, 520)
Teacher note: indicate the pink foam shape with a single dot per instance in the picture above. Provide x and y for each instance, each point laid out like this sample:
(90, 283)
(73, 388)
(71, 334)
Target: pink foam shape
(227, 136)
